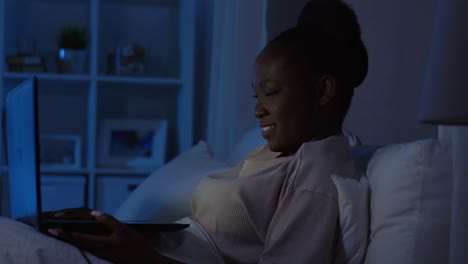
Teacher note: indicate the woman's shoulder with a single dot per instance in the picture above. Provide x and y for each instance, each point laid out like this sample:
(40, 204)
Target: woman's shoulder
(315, 162)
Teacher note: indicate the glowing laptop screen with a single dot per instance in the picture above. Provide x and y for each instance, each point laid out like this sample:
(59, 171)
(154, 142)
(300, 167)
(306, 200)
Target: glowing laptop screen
(23, 166)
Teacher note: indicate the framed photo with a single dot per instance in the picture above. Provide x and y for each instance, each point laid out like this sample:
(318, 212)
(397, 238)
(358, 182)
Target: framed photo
(60, 151)
(132, 143)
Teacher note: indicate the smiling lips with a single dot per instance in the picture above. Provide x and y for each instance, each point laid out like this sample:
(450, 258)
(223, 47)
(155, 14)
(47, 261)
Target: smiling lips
(267, 130)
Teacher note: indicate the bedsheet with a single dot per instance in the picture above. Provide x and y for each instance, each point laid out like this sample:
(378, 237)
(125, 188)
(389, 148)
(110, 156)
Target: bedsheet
(21, 243)
(191, 245)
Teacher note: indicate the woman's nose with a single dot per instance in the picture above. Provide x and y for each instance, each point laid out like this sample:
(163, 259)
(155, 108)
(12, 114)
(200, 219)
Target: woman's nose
(260, 112)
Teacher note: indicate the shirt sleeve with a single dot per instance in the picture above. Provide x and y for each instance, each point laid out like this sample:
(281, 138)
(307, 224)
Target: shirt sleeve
(303, 229)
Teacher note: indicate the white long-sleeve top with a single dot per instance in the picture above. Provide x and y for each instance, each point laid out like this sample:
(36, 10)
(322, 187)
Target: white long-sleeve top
(273, 209)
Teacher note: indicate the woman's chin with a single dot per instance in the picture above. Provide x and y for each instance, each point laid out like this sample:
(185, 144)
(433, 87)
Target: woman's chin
(273, 146)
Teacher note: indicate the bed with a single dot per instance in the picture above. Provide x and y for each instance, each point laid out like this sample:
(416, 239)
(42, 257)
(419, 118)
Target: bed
(406, 215)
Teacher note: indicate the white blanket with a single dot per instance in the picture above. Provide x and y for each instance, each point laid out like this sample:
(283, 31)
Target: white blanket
(21, 244)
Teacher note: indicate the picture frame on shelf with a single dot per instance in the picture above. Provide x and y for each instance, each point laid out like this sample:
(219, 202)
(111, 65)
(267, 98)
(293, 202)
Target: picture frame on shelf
(132, 143)
(60, 151)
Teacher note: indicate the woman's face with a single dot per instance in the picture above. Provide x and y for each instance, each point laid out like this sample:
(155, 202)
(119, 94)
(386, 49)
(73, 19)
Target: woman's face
(287, 102)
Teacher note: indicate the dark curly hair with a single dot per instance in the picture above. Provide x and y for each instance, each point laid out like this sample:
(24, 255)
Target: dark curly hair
(338, 22)
(327, 40)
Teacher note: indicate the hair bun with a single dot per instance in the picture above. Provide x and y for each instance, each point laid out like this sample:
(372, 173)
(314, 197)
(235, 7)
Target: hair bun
(359, 64)
(336, 23)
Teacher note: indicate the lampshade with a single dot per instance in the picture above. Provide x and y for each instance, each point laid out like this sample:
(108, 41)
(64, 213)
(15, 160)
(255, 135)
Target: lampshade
(445, 91)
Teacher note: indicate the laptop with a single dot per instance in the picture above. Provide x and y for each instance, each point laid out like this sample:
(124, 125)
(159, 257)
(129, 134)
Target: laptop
(24, 169)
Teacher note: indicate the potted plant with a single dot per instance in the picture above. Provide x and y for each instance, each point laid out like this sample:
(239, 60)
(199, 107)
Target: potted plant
(72, 43)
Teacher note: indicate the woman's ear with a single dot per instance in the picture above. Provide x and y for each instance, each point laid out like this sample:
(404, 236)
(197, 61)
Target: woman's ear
(327, 89)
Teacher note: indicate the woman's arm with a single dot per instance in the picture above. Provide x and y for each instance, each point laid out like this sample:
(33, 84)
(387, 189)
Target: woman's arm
(124, 245)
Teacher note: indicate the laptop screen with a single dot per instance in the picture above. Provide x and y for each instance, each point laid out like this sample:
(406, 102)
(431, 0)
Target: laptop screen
(23, 149)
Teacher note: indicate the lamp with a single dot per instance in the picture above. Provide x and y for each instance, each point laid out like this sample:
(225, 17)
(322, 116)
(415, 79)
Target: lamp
(445, 102)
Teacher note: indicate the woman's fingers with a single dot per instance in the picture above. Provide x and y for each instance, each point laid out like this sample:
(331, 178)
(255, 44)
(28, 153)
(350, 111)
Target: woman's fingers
(108, 221)
(118, 246)
(113, 224)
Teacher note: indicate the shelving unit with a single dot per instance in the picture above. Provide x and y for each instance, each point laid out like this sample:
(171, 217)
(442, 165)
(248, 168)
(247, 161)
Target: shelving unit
(77, 104)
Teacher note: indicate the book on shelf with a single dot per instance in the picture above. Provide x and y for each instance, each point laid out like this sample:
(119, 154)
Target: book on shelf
(25, 60)
(25, 63)
(25, 68)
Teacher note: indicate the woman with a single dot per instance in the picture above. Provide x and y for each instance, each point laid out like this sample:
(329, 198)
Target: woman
(280, 204)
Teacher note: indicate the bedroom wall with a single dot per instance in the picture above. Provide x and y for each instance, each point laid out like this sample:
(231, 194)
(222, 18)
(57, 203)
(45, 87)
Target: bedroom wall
(397, 34)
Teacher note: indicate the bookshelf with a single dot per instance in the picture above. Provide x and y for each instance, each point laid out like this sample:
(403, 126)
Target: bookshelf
(77, 104)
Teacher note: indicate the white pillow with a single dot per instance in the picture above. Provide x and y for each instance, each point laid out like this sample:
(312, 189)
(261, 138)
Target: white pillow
(166, 194)
(410, 203)
(353, 202)
(353, 140)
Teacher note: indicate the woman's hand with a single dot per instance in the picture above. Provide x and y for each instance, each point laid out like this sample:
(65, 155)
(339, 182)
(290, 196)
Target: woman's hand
(124, 245)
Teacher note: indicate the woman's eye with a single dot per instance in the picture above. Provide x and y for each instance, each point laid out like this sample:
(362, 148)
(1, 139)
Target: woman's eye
(271, 93)
(266, 94)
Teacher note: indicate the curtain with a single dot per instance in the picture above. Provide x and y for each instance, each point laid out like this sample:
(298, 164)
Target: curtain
(397, 35)
(4, 195)
(238, 36)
